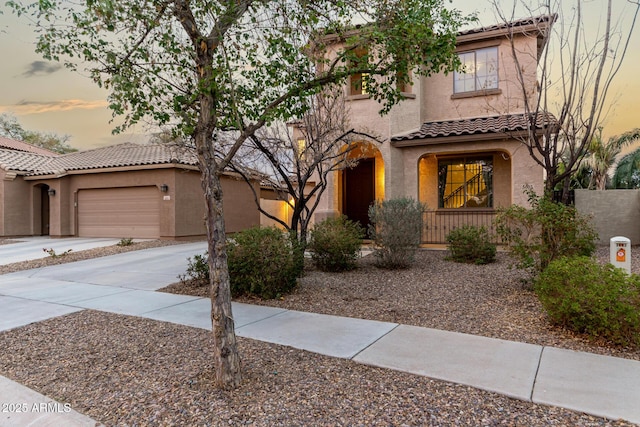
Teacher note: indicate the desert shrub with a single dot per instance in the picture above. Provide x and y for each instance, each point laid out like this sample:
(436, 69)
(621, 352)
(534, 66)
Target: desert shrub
(262, 262)
(545, 232)
(472, 245)
(395, 227)
(197, 270)
(53, 254)
(125, 241)
(335, 244)
(587, 297)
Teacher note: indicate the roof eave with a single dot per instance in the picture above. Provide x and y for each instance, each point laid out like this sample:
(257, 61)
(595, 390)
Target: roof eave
(461, 138)
(539, 26)
(84, 171)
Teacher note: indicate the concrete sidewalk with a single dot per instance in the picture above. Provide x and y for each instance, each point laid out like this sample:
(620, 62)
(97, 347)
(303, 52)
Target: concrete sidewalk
(598, 385)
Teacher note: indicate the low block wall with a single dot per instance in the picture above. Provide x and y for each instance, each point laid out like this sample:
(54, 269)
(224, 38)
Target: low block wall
(614, 212)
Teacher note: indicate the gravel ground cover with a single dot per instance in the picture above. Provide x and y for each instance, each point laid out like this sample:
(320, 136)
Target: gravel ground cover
(126, 371)
(492, 300)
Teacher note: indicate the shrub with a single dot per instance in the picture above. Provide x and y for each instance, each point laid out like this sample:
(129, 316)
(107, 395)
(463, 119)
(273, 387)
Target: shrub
(53, 254)
(395, 227)
(125, 241)
(298, 248)
(547, 231)
(586, 297)
(471, 244)
(262, 262)
(335, 244)
(197, 270)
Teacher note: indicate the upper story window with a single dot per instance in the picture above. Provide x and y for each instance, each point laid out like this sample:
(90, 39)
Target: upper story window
(358, 81)
(479, 71)
(300, 148)
(465, 182)
(404, 87)
(358, 84)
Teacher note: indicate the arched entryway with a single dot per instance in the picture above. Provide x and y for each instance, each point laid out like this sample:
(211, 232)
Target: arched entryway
(363, 183)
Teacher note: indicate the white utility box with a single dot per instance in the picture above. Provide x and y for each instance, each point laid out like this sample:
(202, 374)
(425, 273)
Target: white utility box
(620, 253)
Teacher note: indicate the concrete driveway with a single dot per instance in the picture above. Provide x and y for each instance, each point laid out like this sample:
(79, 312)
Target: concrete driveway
(38, 294)
(28, 248)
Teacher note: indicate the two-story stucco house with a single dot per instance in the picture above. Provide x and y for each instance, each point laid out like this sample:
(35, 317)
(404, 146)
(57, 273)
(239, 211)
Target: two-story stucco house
(453, 143)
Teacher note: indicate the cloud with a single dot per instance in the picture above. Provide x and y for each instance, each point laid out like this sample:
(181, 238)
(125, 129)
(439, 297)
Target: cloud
(33, 107)
(37, 68)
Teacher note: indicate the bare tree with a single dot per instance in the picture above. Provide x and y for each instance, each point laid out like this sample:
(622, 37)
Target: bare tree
(575, 71)
(11, 128)
(297, 157)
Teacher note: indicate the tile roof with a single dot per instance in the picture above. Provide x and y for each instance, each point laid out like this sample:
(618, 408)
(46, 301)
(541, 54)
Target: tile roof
(12, 144)
(533, 20)
(502, 125)
(121, 155)
(22, 161)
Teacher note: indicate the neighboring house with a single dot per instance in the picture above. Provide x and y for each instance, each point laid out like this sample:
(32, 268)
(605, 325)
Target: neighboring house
(11, 144)
(125, 190)
(452, 143)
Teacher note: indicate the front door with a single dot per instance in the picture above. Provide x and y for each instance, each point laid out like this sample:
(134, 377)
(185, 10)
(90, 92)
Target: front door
(44, 210)
(359, 191)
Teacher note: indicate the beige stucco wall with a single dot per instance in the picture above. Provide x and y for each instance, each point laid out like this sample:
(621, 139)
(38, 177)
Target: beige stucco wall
(240, 210)
(614, 213)
(441, 104)
(189, 204)
(15, 217)
(512, 170)
(63, 206)
(182, 208)
(434, 101)
(2, 203)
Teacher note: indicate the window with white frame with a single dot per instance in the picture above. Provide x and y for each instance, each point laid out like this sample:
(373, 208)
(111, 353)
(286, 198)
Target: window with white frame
(479, 71)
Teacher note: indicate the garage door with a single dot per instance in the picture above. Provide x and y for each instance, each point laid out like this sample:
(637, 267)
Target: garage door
(119, 212)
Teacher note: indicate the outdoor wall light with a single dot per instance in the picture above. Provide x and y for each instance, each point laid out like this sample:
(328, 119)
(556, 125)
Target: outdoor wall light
(52, 192)
(164, 188)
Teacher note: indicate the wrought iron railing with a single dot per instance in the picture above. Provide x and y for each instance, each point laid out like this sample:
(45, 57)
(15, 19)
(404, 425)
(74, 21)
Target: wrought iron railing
(437, 224)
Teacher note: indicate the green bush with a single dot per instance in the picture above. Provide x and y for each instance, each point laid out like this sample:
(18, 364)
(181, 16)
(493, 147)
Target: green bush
(262, 262)
(125, 241)
(472, 245)
(586, 297)
(197, 270)
(335, 244)
(545, 232)
(395, 227)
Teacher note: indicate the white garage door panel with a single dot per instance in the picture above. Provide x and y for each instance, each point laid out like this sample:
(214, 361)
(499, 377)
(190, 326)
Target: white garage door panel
(119, 212)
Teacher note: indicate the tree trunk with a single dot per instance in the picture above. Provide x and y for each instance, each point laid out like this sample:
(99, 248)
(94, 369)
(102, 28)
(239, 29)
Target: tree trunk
(566, 189)
(226, 356)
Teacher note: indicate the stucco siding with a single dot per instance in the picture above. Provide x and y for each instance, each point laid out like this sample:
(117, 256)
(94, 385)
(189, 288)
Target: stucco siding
(441, 104)
(17, 209)
(240, 209)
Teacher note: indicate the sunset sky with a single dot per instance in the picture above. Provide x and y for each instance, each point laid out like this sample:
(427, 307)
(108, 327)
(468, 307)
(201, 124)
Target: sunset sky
(46, 97)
